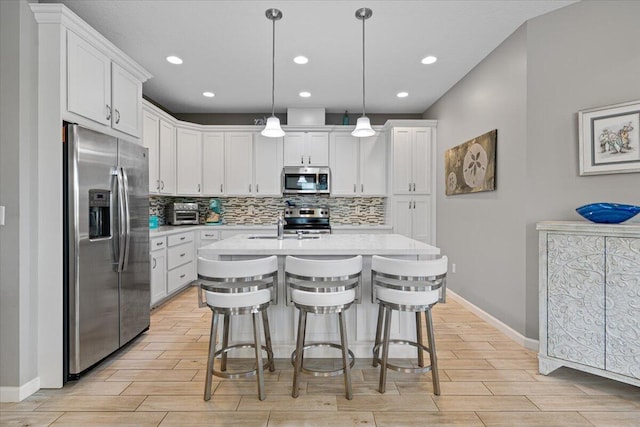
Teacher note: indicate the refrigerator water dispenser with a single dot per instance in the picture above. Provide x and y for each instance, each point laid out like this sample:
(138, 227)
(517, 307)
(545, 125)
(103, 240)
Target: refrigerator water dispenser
(99, 214)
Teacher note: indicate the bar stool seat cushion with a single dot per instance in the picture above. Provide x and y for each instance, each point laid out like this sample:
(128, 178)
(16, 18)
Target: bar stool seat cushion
(323, 299)
(408, 298)
(231, 300)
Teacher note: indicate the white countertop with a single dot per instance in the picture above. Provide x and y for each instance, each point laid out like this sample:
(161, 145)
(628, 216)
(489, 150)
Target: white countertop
(327, 244)
(172, 229)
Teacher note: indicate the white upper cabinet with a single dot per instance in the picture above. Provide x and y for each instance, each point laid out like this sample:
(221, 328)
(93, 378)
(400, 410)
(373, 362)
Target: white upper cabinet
(89, 80)
(238, 163)
(159, 137)
(411, 160)
(101, 90)
(358, 165)
(267, 160)
(213, 163)
(188, 162)
(344, 150)
(306, 149)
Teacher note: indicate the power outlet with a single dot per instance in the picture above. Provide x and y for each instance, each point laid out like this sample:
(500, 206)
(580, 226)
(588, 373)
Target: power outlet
(250, 210)
(358, 212)
(453, 268)
(372, 210)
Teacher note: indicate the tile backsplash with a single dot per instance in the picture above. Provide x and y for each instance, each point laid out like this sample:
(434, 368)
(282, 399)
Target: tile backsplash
(264, 210)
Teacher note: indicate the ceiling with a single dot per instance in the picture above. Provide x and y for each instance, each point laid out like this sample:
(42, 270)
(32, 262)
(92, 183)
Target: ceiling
(226, 48)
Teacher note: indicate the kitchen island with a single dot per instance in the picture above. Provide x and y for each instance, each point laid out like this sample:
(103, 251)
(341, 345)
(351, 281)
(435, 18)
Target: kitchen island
(361, 317)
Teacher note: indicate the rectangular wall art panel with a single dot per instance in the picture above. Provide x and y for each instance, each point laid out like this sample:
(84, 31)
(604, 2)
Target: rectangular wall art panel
(471, 166)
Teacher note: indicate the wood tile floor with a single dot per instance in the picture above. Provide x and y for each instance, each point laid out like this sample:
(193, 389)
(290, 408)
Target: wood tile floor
(486, 380)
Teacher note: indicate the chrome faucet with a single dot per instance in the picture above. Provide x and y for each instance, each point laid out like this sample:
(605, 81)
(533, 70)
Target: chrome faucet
(280, 226)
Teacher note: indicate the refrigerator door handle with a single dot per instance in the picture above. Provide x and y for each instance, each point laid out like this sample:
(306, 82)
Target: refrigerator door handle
(121, 221)
(127, 219)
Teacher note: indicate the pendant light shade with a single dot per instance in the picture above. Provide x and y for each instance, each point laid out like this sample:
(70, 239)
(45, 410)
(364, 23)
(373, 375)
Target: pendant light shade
(363, 126)
(273, 129)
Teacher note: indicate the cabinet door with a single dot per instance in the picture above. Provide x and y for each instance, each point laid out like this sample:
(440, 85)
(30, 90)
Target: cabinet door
(167, 165)
(421, 219)
(213, 163)
(151, 140)
(126, 96)
(317, 149)
(402, 214)
(189, 162)
(575, 313)
(267, 158)
(158, 276)
(373, 165)
(294, 143)
(623, 306)
(88, 81)
(402, 161)
(421, 161)
(238, 163)
(344, 164)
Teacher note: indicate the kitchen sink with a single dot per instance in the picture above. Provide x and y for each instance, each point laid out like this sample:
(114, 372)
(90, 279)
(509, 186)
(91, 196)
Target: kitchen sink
(287, 237)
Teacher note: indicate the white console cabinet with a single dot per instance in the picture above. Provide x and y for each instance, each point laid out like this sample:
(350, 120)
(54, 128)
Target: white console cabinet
(589, 283)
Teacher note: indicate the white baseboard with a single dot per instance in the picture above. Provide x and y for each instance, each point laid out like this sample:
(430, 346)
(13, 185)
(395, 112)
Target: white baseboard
(18, 394)
(529, 343)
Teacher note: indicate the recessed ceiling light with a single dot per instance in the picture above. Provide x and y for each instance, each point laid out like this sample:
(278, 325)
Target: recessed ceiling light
(208, 94)
(305, 94)
(402, 94)
(300, 59)
(174, 60)
(429, 59)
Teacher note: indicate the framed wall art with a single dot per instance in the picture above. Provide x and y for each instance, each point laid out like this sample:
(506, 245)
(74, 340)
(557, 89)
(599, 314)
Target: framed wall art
(471, 166)
(608, 139)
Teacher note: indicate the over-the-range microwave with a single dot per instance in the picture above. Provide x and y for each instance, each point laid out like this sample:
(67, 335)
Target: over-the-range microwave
(306, 180)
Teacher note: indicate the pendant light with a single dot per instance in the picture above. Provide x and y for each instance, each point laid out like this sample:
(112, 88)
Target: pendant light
(363, 125)
(273, 129)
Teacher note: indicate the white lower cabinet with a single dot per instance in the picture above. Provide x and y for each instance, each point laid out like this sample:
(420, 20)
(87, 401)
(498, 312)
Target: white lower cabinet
(412, 217)
(172, 264)
(158, 269)
(589, 299)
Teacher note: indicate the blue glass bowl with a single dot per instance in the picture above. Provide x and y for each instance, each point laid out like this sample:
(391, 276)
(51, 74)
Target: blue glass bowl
(608, 213)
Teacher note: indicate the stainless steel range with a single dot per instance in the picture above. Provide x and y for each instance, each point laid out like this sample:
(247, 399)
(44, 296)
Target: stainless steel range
(307, 219)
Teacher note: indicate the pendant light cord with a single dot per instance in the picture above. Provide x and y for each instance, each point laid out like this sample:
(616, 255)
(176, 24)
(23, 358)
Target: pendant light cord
(363, 85)
(273, 68)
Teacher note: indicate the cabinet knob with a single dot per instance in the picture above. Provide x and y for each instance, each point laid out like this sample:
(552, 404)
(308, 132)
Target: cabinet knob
(221, 188)
(409, 186)
(159, 244)
(198, 188)
(302, 160)
(309, 161)
(182, 276)
(182, 238)
(117, 116)
(154, 263)
(362, 188)
(249, 188)
(158, 184)
(414, 187)
(108, 112)
(257, 188)
(182, 255)
(162, 182)
(354, 188)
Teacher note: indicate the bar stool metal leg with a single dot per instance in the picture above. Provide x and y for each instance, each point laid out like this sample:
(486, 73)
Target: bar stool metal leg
(376, 344)
(302, 321)
(212, 353)
(225, 340)
(432, 353)
(258, 351)
(345, 357)
(420, 338)
(385, 350)
(267, 339)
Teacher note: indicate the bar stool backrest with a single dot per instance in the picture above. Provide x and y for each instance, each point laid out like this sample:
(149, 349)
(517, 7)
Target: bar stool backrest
(249, 275)
(399, 274)
(330, 272)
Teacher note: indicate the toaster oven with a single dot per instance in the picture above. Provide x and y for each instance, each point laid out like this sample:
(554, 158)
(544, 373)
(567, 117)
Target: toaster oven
(182, 214)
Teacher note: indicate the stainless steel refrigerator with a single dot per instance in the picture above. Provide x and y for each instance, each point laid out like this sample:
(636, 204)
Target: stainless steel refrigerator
(107, 277)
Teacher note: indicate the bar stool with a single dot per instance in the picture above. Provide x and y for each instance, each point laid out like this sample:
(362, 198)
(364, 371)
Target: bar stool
(322, 287)
(233, 288)
(412, 286)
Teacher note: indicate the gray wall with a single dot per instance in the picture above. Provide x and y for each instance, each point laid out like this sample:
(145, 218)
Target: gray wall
(484, 233)
(18, 244)
(572, 61)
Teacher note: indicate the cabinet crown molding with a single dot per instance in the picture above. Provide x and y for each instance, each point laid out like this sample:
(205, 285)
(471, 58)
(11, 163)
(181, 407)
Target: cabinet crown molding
(55, 13)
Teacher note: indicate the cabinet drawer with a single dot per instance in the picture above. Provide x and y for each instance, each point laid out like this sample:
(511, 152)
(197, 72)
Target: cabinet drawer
(209, 235)
(179, 255)
(178, 239)
(179, 277)
(158, 243)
